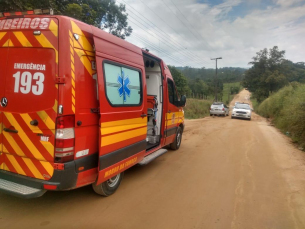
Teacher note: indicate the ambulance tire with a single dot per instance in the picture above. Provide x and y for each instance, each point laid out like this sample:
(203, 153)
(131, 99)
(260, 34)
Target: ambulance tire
(176, 144)
(108, 187)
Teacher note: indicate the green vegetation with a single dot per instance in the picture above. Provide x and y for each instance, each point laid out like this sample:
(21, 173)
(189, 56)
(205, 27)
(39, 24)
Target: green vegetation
(199, 108)
(196, 108)
(270, 72)
(198, 104)
(105, 14)
(286, 109)
(229, 90)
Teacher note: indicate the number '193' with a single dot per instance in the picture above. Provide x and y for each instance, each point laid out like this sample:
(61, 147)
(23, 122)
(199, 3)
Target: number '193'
(24, 83)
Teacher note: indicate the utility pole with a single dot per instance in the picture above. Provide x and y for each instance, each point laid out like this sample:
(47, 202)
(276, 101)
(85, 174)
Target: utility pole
(218, 58)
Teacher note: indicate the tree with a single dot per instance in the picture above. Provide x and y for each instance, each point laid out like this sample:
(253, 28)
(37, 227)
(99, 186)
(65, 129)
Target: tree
(180, 81)
(105, 14)
(265, 76)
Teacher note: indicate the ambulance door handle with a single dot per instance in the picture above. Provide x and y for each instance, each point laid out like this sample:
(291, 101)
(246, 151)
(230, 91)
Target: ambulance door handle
(143, 115)
(34, 122)
(10, 130)
(169, 111)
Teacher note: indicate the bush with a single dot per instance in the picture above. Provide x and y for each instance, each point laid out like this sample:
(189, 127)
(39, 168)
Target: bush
(196, 108)
(286, 108)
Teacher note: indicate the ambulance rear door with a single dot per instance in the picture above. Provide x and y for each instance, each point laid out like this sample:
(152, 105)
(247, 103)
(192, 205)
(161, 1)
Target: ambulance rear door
(30, 94)
(3, 59)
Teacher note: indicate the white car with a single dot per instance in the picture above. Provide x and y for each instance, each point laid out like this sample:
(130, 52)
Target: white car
(242, 110)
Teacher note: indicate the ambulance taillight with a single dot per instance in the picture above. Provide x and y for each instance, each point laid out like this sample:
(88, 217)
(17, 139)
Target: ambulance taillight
(64, 139)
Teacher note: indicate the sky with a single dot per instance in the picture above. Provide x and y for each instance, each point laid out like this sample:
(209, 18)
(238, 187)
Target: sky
(192, 32)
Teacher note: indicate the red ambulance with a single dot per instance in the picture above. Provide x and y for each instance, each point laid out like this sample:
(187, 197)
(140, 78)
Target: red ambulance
(79, 106)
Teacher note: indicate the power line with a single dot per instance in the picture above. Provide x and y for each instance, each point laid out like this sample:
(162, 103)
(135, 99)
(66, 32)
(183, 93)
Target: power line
(164, 21)
(190, 22)
(166, 42)
(157, 28)
(155, 48)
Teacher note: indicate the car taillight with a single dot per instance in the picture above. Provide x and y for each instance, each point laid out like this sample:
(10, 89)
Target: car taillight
(64, 139)
(223, 109)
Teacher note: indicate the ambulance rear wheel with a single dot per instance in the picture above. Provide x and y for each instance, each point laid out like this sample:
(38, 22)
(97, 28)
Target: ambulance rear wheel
(108, 187)
(176, 144)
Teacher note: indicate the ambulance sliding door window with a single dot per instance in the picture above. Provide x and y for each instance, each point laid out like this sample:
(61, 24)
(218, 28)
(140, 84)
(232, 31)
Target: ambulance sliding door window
(172, 95)
(123, 85)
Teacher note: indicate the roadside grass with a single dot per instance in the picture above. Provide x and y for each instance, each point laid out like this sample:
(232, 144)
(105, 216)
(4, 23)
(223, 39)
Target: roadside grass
(286, 109)
(255, 104)
(197, 108)
(227, 97)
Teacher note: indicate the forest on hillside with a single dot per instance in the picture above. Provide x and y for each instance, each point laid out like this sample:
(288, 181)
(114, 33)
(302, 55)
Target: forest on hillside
(201, 83)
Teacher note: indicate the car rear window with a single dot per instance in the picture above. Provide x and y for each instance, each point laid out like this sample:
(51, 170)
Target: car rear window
(217, 106)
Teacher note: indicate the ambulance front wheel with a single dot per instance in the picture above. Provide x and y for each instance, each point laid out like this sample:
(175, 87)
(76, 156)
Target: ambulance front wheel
(108, 187)
(176, 144)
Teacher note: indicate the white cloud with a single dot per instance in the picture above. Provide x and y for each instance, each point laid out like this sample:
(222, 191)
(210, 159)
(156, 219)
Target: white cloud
(286, 3)
(203, 31)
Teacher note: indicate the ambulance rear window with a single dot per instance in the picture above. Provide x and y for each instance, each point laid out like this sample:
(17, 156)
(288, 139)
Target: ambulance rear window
(123, 85)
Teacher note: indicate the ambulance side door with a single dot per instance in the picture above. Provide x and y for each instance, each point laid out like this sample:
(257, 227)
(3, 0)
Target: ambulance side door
(172, 112)
(123, 117)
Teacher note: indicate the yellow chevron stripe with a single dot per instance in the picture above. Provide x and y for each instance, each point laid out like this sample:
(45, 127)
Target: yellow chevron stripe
(73, 83)
(46, 119)
(13, 144)
(2, 34)
(72, 58)
(124, 122)
(84, 59)
(46, 43)
(8, 43)
(54, 28)
(22, 39)
(122, 136)
(70, 34)
(47, 145)
(72, 74)
(26, 140)
(73, 92)
(33, 168)
(73, 108)
(27, 119)
(83, 41)
(5, 167)
(15, 164)
(55, 106)
(48, 166)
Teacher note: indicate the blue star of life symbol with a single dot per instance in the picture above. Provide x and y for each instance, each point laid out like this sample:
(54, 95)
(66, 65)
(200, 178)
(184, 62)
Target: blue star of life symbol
(124, 83)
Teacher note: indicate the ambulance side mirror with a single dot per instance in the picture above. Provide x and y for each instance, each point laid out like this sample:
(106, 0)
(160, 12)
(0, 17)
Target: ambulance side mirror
(182, 101)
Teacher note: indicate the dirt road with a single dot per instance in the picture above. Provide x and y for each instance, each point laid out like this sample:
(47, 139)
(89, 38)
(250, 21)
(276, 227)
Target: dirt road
(227, 174)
